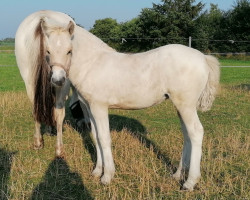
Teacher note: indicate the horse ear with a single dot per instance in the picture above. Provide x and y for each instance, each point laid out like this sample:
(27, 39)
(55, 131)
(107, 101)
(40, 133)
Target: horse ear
(71, 28)
(44, 27)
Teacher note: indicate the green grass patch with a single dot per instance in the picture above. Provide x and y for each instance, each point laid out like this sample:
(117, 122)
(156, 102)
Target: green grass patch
(7, 59)
(234, 62)
(10, 79)
(235, 75)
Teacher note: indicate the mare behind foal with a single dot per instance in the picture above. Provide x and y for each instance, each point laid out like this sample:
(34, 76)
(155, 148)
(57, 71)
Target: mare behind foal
(43, 46)
(106, 79)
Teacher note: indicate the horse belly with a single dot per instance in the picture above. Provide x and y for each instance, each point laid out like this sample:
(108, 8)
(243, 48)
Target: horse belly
(135, 101)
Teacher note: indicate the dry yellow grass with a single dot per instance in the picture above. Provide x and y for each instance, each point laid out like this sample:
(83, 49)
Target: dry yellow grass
(146, 147)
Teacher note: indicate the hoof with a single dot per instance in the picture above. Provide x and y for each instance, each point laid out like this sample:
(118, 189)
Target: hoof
(177, 176)
(97, 172)
(187, 187)
(38, 144)
(106, 180)
(61, 155)
(107, 177)
(60, 152)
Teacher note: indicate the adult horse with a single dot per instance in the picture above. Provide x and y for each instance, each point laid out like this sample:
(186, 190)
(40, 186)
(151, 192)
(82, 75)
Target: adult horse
(43, 47)
(106, 79)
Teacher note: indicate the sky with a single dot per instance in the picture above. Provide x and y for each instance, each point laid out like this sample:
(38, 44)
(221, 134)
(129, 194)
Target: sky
(85, 12)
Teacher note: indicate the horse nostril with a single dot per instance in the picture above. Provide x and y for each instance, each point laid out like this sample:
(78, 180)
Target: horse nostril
(59, 82)
(63, 80)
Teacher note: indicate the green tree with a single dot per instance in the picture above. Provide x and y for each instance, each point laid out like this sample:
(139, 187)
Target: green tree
(108, 30)
(178, 19)
(239, 25)
(130, 31)
(171, 21)
(207, 29)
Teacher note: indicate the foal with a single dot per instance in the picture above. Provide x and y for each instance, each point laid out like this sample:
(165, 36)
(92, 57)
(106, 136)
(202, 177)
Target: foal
(107, 79)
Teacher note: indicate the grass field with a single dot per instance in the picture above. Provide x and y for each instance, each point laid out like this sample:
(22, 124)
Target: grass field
(146, 147)
(7, 57)
(239, 60)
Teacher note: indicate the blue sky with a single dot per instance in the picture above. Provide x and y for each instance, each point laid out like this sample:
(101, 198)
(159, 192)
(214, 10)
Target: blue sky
(85, 12)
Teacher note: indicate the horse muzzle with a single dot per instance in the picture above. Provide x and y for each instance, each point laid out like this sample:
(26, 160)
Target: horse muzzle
(58, 82)
(58, 76)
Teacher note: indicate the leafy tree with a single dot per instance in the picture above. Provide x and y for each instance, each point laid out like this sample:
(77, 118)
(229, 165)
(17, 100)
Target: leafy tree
(178, 19)
(167, 22)
(207, 29)
(219, 31)
(130, 31)
(108, 30)
(173, 21)
(239, 25)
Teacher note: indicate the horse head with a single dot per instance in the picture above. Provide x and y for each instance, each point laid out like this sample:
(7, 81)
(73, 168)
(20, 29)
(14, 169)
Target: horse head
(58, 50)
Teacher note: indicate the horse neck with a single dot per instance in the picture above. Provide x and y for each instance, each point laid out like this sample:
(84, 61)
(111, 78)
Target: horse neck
(89, 44)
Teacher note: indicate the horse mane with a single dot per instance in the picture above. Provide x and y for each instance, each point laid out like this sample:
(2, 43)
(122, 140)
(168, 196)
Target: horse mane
(44, 93)
(89, 38)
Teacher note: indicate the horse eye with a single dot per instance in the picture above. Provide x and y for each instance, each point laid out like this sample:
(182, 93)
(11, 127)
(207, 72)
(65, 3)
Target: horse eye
(69, 52)
(48, 52)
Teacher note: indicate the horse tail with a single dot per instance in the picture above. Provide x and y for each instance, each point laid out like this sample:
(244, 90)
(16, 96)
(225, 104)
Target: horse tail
(44, 94)
(208, 94)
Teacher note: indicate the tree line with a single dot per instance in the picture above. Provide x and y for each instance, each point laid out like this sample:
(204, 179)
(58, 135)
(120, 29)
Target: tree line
(173, 21)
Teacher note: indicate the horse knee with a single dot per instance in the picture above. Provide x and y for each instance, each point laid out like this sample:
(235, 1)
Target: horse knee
(59, 114)
(196, 134)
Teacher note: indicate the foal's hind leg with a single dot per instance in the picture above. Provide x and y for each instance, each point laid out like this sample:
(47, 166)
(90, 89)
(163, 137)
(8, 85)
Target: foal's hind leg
(38, 140)
(193, 135)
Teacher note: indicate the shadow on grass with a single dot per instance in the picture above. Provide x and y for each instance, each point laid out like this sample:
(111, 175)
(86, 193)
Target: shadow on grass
(137, 130)
(117, 123)
(243, 87)
(60, 183)
(5, 166)
(83, 131)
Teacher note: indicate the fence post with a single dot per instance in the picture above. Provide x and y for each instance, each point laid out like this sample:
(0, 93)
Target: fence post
(189, 41)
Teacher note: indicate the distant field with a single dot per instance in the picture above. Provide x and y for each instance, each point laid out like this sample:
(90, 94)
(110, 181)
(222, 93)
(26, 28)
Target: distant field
(7, 57)
(7, 46)
(234, 62)
(146, 146)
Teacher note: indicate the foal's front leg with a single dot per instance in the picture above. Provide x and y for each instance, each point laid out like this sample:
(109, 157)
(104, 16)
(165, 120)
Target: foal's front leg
(101, 135)
(59, 114)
